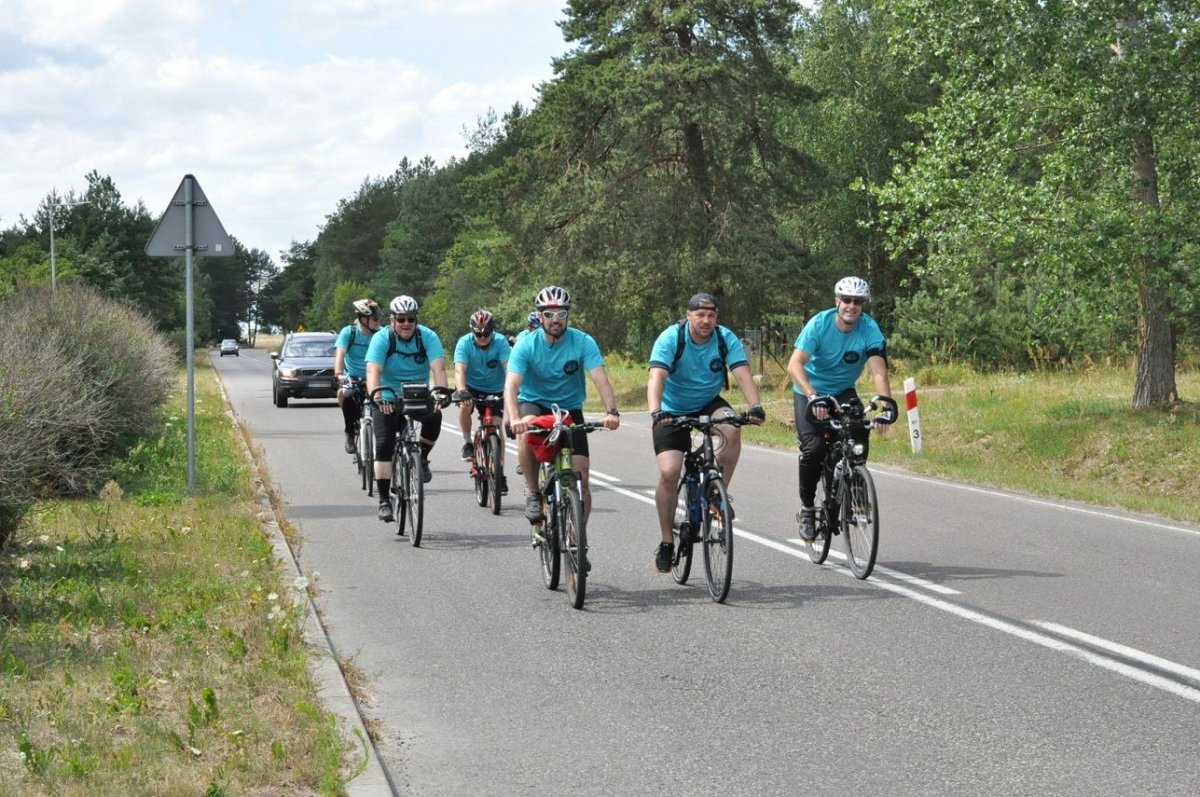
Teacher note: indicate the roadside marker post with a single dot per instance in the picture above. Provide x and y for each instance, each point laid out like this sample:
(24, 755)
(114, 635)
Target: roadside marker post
(914, 415)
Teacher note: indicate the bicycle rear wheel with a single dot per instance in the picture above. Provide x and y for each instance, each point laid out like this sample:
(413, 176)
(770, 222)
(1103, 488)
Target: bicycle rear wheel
(574, 544)
(684, 535)
(479, 471)
(818, 549)
(414, 493)
(366, 454)
(717, 539)
(495, 471)
(860, 522)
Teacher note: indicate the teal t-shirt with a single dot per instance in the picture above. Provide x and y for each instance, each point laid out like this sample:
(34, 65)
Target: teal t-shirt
(836, 358)
(356, 350)
(406, 364)
(485, 366)
(699, 374)
(555, 374)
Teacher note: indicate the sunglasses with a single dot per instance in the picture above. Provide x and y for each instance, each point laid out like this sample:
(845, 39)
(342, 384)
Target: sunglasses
(559, 314)
(857, 300)
(405, 319)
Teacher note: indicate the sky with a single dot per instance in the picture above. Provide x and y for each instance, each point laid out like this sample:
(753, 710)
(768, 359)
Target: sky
(278, 108)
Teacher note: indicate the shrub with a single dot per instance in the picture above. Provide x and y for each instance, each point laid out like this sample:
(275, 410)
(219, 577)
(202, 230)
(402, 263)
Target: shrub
(81, 379)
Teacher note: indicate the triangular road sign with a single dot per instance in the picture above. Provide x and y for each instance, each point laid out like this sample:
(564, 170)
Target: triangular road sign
(209, 238)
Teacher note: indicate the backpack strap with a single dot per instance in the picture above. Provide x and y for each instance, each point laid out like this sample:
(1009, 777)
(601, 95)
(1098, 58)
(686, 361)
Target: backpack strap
(419, 356)
(722, 347)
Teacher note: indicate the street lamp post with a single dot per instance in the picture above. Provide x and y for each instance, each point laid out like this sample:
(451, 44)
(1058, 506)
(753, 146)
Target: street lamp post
(53, 268)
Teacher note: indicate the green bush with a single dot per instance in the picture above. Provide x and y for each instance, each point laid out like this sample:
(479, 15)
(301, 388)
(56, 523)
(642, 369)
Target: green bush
(81, 379)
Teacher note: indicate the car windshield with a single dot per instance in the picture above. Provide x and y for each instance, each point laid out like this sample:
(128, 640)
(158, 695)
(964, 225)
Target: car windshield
(315, 348)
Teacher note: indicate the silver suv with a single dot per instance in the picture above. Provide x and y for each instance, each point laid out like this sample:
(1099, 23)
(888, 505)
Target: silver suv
(303, 367)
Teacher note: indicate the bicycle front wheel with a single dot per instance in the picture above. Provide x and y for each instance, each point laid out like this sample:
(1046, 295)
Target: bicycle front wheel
(860, 522)
(366, 455)
(479, 471)
(495, 471)
(818, 549)
(716, 535)
(399, 484)
(684, 534)
(414, 494)
(574, 546)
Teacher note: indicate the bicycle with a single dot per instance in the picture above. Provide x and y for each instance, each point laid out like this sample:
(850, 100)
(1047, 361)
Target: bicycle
(364, 434)
(845, 502)
(408, 466)
(487, 452)
(703, 512)
(562, 536)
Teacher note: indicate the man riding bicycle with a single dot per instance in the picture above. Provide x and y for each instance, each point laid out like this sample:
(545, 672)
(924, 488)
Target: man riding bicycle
(350, 366)
(830, 354)
(480, 358)
(404, 352)
(687, 373)
(547, 367)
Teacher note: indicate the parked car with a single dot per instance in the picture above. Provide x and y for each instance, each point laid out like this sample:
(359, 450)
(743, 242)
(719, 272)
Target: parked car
(229, 346)
(303, 367)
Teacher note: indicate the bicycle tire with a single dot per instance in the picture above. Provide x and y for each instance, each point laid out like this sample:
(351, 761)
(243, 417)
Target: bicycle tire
(818, 549)
(860, 522)
(717, 538)
(573, 541)
(414, 493)
(399, 479)
(366, 455)
(495, 471)
(548, 548)
(478, 474)
(681, 567)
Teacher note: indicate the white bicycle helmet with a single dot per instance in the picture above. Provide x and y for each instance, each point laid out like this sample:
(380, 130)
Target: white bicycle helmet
(552, 296)
(852, 286)
(404, 305)
(366, 308)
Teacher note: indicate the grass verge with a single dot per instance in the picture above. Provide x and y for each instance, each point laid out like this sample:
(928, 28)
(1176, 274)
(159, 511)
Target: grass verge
(147, 642)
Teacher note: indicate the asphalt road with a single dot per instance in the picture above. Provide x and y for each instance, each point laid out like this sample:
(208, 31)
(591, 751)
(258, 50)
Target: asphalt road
(1005, 644)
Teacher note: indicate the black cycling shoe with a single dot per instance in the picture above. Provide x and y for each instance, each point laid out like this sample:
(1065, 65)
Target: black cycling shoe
(426, 473)
(808, 523)
(385, 513)
(663, 556)
(467, 452)
(349, 444)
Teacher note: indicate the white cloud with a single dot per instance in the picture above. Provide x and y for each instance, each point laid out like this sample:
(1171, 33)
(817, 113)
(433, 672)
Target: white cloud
(275, 128)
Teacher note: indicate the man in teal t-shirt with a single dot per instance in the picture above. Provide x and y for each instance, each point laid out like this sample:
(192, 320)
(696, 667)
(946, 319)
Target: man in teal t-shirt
(480, 357)
(350, 365)
(687, 372)
(548, 367)
(831, 352)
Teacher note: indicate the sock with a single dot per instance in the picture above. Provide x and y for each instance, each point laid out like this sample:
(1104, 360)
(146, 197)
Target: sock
(384, 486)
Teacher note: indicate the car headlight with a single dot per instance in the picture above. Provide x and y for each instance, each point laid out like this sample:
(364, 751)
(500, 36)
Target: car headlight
(287, 372)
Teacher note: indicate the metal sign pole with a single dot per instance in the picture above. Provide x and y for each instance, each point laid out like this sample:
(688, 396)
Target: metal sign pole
(189, 245)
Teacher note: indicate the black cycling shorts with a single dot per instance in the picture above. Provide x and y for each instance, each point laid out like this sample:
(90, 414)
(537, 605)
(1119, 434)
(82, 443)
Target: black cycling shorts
(677, 438)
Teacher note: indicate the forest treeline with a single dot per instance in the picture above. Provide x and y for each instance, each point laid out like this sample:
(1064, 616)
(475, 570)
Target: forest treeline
(1018, 182)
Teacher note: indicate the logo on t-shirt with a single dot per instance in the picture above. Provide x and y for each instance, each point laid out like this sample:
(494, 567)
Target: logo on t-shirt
(716, 365)
(492, 363)
(571, 367)
(851, 357)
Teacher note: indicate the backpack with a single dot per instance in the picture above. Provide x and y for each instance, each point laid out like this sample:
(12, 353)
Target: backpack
(722, 347)
(419, 356)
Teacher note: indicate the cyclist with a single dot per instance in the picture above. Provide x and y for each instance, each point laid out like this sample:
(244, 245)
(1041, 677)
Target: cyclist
(831, 352)
(533, 324)
(687, 372)
(480, 357)
(350, 366)
(547, 367)
(404, 352)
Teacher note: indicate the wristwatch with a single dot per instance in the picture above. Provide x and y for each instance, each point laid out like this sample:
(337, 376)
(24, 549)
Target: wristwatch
(613, 411)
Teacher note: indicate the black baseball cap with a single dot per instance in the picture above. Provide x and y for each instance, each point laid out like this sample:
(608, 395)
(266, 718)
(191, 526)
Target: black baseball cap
(702, 301)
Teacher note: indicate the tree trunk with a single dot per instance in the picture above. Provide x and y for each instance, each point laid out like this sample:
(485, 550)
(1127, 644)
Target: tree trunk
(1154, 382)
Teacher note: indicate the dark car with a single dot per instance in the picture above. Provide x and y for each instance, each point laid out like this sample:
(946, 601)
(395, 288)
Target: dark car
(229, 346)
(303, 367)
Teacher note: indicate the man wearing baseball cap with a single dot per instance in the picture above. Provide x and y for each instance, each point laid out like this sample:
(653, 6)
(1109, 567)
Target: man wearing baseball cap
(687, 372)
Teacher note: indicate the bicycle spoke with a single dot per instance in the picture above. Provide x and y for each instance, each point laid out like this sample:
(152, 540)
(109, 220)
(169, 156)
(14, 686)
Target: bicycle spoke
(861, 522)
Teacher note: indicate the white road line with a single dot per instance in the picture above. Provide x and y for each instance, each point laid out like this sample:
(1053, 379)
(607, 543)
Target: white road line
(995, 623)
(1148, 659)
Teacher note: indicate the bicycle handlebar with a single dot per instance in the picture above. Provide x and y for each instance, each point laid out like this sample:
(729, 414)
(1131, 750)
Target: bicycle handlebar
(441, 395)
(704, 422)
(852, 414)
